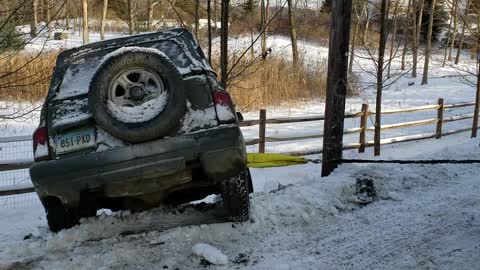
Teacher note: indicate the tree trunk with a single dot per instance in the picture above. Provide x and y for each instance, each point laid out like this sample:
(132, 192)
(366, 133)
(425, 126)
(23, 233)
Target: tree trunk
(293, 34)
(65, 9)
(209, 31)
(224, 43)
(417, 38)
(104, 18)
(34, 19)
(131, 22)
(394, 36)
(455, 29)
(476, 110)
(85, 21)
(429, 43)
(197, 7)
(365, 31)
(150, 15)
(215, 15)
(414, 39)
(405, 42)
(354, 38)
(263, 22)
(381, 55)
(47, 17)
(462, 35)
(449, 33)
(252, 30)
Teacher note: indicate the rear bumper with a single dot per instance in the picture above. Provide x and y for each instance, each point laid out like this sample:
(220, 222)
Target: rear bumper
(143, 168)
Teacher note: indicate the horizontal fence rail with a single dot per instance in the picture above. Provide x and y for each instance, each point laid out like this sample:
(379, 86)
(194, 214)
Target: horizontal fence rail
(262, 139)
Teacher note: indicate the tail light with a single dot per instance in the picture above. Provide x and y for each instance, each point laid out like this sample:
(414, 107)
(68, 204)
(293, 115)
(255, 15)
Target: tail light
(223, 105)
(41, 150)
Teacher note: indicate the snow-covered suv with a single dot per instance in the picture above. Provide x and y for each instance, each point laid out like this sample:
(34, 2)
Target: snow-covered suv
(134, 122)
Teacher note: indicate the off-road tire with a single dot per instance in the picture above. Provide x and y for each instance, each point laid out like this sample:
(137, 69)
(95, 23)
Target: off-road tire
(165, 123)
(60, 217)
(235, 196)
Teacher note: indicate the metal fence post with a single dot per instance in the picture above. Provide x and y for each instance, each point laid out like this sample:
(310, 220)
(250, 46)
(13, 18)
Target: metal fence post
(363, 126)
(261, 131)
(441, 107)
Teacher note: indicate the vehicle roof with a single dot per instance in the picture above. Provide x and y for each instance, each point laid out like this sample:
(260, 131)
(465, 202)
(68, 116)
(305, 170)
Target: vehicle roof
(75, 67)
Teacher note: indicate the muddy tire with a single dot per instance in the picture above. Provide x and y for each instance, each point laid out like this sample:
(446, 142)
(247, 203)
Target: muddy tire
(137, 96)
(60, 217)
(236, 199)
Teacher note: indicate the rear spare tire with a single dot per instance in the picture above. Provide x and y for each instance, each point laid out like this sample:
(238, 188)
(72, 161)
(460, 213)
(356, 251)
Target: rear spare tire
(137, 95)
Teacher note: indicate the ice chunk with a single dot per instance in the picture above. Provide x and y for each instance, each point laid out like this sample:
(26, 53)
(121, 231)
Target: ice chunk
(210, 253)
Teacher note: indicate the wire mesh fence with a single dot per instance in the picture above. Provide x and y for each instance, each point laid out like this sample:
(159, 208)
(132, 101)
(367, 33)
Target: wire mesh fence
(11, 150)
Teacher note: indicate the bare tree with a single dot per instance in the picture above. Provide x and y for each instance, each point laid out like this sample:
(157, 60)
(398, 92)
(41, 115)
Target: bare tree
(264, 23)
(104, 18)
(197, 7)
(215, 4)
(405, 32)
(293, 34)
(131, 19)
(394, 37)
(34, 19)
(429, 43)
(455, 29)
(381, 55)
(449, 32)
(416, 37)
(85, 22)
(224, 43)
(462, 35)
(357, 13)
(150, 5)
(209, 30)
(47, 16)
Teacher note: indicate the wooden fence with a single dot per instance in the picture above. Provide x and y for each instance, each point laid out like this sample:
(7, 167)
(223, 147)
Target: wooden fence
(363, 128)
(262, 139)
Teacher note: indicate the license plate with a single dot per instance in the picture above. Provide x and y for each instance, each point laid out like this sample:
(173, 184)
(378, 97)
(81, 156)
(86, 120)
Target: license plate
(74, 141)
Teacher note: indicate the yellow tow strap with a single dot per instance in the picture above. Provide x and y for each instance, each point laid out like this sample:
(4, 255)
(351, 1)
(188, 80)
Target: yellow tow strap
(262, 160)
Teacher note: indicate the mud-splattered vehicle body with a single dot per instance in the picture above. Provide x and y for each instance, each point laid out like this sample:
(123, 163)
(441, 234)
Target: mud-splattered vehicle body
(134, 122)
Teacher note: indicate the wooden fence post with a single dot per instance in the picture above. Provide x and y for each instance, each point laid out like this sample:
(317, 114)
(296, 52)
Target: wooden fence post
(363, 126)
(441, 105)
(261, 131)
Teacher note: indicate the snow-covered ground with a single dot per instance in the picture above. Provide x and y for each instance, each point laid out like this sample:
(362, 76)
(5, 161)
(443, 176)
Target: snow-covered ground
(424, 216)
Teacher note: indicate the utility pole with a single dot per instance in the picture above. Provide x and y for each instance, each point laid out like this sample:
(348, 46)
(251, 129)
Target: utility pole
(336, 85)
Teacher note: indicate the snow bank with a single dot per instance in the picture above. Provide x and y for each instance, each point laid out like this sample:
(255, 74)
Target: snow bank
(210, 253)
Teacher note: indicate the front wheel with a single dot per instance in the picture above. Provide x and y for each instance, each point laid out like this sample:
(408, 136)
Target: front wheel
(235, 195)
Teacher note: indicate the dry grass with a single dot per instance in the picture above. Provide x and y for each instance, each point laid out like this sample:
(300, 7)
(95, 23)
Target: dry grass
(272, 82)
(25, 77)
(275, 82)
